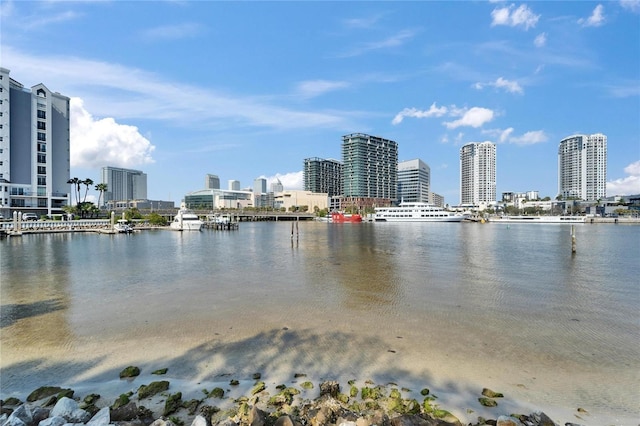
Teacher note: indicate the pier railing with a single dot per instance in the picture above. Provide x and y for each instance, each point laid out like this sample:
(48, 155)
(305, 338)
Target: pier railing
(42, 225)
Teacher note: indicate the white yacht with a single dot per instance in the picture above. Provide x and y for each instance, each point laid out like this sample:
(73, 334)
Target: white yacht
(186, 220)
(538, 219)
(415, 212)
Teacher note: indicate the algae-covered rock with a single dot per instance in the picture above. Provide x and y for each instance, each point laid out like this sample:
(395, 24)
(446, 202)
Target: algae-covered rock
(353, 392)
(395, 393)
(121, 401)
(91, 398)
(257, 376)
(153, 388)
(424, 392)
(306, 385)
(173, 404)
(371, 393)
(216, 393)
(234, 382)
(491, 394)
(192, 406)
(130, 371)
(43, 392)
(488, 402)
(160, 371)
(259, 387)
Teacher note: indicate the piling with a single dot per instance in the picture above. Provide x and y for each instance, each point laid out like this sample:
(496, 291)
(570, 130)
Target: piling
(573, 239)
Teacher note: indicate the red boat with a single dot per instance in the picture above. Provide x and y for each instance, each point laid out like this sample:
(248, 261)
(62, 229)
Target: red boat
(339, 217)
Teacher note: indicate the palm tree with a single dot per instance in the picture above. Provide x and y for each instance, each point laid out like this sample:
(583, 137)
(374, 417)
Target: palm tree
(75, 181)
(87, 182)
(102, 188)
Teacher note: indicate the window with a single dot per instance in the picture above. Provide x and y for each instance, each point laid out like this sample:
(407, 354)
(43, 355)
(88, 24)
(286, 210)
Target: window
(42, 180)
(41, 125)
(42, 114)
(42, 158)
(42, 147)
(42, 136)
(42, 170)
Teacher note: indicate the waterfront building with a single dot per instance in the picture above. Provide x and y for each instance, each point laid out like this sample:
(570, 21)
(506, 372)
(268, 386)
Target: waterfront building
(582, 167)
(323, 176)
(301, 200)
(234, 185)
(124, 184)
(369, 171)
(212, 182)
(260, 192)
(478, 174)
(34, 148)
(277, 186)
(414, 181)
(436, 200)
(209, 199)
(152, 205)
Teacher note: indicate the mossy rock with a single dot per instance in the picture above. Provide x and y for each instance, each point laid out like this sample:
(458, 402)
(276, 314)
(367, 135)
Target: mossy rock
(351, 382)
(259, 387)
(491, 394)
(257, 376)
(176, 421)
(192, 406)
(281, 387)
(343, 398)
(306, 385)
(173, 404)
(353, 392)
(65, 393)
(395, 405)
(216, 393)
(43, 392)
(488, 402)
(130, 371)
(91, 398)
(160, 372)
(425, 392)
(426, 405)
(299, 375)
(372, 393)
(395, 393)
(153, 388)
(121, 401)
(14, 402)
(234, 382)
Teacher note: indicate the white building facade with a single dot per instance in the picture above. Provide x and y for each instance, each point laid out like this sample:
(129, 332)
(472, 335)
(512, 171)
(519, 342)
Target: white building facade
(34, 148)
(582, 167)
(414, 181)
(478, 174)
(124, 184)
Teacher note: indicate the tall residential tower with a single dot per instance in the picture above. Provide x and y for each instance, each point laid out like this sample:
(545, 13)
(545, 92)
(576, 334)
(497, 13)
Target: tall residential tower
(34, 148)
(124, 184)
(370, 169)
(478, 174)
(323, 176)
(414, 181)
(582, 167)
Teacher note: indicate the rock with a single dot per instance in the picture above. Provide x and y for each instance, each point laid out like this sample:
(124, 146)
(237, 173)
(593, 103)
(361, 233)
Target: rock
(39, 414)
(101, 418)
(306, 385)
(12, 402)
(331, 388)
(130, 371)
(146, 391)
(257, 417)
(21, 416)
(488, 402)
(66, 407)
(542, 419)
(216, 393)
(284, 421)
(226, 422)
(160, 371)
(53, 421)
(91, 398)
(125, 412)
(508, 421)
(491, 394)
(173, 404)
(346, 423)
(44, 392)
(257, 376)
(259, 387)
(199, 421)
(121, 401)
(162, 422)
(413, 420)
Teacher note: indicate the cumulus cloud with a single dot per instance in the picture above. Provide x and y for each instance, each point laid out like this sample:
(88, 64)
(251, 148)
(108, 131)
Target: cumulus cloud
(104, 142)
(291, 181)
(507, 136)
(473, 117)
(513, 17)
(540, 40)
(632, 5)
(502, 83)
(433, 111)
(596, 19)
(313, 88)
(629, 185)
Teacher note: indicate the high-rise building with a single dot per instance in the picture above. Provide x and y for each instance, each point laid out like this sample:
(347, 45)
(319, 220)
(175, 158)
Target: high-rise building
(260, 192)
(211, 182)
(124, 184)
(478, 174)
(234, 185)
(323, 176)
(34, 148)
(370, 169)
(582, 167)
(414, 181)
(276, 186)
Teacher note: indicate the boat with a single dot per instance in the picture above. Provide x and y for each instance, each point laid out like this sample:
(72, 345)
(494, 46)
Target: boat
(538, 219)
(416, 212)
(341, 217)
(186, 220)
(122, 226)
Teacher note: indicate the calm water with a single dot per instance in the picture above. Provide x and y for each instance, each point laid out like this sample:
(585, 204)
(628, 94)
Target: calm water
(453, 305)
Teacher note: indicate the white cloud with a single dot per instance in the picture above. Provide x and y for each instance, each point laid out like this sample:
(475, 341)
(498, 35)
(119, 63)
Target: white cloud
(393, 41)
(596, 19)
(313, 88)
(507, 136)
(629, 185)
(433, 111)
(173, 32)
(473, 117)
(99, 143)
(632, 5)
(291, 181)
(540, 40)
(513, 17)
(502, 83)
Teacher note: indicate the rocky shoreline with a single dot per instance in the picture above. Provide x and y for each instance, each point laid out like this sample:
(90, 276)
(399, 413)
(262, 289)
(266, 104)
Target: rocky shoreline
(304, 403)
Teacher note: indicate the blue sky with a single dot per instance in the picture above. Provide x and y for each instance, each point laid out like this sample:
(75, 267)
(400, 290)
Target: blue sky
(249, 89)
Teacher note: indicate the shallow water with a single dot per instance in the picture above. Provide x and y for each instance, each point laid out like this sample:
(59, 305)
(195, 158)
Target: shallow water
(456, 307)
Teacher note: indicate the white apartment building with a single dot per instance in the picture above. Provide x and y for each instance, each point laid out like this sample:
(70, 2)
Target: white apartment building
(478, 174)
(34, 148)
(124, 184)
(414, 181)
(582, 167)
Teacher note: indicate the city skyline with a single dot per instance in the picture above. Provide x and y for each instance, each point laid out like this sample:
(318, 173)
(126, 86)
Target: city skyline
(249, 90)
